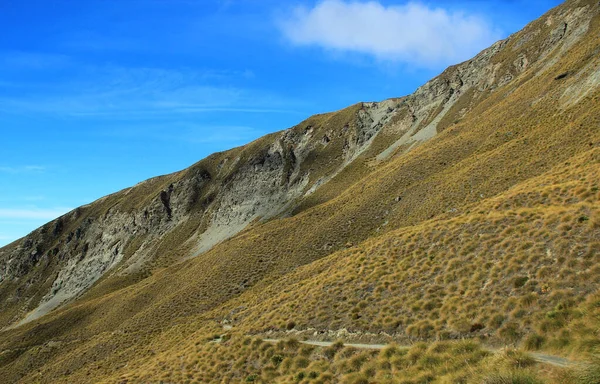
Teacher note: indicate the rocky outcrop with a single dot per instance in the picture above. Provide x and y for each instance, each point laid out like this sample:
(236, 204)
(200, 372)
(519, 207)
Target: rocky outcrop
(452, 94)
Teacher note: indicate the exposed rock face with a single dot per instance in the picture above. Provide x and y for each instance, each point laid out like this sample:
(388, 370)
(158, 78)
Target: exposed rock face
(188, 212)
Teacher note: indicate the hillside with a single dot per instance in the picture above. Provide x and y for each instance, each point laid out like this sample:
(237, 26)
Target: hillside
(467, 210)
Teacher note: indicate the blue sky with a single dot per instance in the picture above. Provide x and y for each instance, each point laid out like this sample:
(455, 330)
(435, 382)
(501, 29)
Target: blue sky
(97, 95)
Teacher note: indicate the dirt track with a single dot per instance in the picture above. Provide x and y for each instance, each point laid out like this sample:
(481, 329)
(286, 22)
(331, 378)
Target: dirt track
(539, 357)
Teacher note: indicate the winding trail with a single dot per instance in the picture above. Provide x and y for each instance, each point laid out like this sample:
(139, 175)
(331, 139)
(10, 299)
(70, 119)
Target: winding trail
(330, 343)
(556, 361)
(553, 360)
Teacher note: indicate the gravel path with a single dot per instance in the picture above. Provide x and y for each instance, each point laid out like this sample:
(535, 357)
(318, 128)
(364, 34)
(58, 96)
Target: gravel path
(539, 357)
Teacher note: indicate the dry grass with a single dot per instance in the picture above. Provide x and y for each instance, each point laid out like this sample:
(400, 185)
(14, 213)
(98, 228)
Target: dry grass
(490, 232)
(437, 280)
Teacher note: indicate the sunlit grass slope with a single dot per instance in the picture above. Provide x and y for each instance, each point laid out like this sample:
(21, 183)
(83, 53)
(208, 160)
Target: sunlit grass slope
(490, 231)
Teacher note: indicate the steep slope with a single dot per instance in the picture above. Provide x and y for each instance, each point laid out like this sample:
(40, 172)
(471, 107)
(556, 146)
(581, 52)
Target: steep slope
(135, 230)
(418, 217)
(180, 215)
(524, 251)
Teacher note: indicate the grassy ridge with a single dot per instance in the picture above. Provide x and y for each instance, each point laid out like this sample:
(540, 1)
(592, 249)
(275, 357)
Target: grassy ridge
(490, 231)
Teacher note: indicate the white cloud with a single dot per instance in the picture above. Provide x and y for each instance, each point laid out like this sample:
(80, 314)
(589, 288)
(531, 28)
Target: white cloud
(413, 33)
(33, 213)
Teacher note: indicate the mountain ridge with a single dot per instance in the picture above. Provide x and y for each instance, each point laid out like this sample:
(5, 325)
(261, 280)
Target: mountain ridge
(189, 249)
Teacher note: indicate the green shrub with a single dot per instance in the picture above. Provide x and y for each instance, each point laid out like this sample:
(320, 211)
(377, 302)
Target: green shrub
(520, 281)
(276, 359)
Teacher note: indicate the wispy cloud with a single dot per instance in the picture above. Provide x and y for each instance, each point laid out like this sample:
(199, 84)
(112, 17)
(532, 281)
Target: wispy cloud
(413, 33)
(121, 92)
(22, 169)
(33, 213)
(228, 134)
(186, 132)
(22, 198)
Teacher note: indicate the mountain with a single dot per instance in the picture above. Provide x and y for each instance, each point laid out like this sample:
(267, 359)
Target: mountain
(467, 210)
